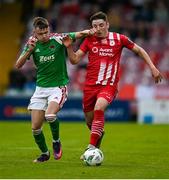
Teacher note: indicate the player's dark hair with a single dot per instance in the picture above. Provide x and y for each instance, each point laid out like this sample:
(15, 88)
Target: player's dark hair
(40, 22)
(98, 15)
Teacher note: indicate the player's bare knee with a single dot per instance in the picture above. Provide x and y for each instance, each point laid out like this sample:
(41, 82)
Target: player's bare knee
(36, 126)
(99, 107)
(50, 117)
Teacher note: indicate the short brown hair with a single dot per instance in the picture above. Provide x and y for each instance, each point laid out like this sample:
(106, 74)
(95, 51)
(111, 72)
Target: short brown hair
(40, 22)
(98, 15)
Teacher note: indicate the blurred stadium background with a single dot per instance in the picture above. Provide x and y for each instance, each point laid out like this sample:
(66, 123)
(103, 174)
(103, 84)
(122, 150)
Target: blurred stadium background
(144, 21)
(131, 151)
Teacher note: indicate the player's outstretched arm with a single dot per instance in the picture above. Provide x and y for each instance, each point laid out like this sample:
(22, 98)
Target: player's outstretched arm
(84, 33)
(143, 54)
(26, 52)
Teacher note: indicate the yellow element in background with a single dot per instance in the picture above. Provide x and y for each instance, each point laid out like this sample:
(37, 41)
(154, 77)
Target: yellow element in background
(10, 33)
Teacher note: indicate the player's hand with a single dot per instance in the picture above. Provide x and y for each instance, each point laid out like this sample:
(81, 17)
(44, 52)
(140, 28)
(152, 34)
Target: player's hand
(89, 32)
(32, 43)
(156, 75)
(92, 31)
(67, 41)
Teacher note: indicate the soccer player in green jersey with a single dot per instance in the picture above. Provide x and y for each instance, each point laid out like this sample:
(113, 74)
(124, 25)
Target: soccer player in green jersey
(48, 54)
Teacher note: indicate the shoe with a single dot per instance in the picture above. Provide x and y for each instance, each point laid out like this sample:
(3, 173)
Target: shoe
(42, 158)
(88, 147)
(82, 156)
(57, 150)
(100, 140)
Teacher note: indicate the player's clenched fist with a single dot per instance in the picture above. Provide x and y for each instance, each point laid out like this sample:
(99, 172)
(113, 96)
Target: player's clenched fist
(32, 42)
(92, 31)
(67, 40)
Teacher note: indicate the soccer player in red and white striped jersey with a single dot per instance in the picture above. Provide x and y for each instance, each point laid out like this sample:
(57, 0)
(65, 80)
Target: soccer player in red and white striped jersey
(104, 50)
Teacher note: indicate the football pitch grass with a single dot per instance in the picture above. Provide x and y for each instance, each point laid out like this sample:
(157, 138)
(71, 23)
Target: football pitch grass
(131, 151)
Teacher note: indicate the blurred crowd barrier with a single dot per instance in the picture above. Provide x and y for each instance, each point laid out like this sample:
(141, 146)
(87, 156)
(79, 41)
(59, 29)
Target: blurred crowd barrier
(16, 109)
(151, 111)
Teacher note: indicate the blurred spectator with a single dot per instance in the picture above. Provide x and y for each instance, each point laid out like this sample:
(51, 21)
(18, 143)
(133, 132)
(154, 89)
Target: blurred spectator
(41, 7)
(17, 81)
(27, 10)
(161, 12)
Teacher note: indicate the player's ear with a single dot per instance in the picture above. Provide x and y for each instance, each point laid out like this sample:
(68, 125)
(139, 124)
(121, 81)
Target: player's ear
(33, 33)
(108, 25)
(49, 29)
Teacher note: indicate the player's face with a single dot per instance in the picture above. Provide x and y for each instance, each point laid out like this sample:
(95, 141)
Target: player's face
(42, 34)
(101, 27)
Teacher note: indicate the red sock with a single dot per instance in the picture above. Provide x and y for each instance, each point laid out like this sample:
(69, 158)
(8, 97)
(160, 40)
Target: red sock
(97, 127)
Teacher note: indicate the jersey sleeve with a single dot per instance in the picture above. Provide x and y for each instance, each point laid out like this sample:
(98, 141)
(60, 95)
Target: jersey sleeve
(126, 42)
(84, 45)
(72, 35)
(25, 49)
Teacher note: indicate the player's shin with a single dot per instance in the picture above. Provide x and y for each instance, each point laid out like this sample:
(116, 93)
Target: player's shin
(89, 125)
(54, 125)
(97, 128)
(40, 140)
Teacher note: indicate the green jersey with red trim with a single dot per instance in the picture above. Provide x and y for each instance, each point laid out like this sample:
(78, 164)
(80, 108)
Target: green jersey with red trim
(50, 61)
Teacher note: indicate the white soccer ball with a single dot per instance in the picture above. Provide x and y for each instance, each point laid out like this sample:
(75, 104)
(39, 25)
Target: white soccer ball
(93, 157)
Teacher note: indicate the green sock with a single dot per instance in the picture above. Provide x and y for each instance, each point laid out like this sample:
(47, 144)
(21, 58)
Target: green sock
(54, 126)
(40, 141)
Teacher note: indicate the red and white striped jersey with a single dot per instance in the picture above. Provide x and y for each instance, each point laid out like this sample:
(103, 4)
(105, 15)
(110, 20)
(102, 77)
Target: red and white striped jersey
(104, 57)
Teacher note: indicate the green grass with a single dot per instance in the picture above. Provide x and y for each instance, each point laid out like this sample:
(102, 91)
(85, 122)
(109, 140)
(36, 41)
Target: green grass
(131, 151)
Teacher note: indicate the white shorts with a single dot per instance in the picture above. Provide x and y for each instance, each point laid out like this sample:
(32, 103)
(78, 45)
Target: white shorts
(43, 96)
